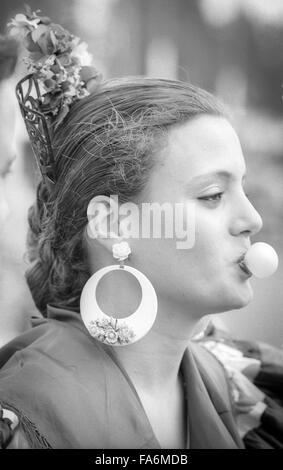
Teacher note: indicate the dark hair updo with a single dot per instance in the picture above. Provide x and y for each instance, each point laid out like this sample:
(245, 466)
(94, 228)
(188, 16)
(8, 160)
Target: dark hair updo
(106, 145)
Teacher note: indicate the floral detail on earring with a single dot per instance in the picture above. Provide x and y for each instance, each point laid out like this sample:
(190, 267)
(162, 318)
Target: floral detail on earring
(107, 331)
(121, 250)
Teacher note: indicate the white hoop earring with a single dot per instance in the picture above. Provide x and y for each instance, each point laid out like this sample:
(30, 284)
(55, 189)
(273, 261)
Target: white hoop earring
(118, 331)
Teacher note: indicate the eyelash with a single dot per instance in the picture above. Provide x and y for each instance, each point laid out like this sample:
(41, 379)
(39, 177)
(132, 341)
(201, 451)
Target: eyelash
(212, 197)
(216, 197)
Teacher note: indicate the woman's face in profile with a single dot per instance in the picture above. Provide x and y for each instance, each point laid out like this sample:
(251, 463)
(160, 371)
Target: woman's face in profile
(204, 166)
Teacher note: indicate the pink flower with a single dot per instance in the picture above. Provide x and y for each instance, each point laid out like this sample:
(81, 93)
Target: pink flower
(49, 84)
(81, 53)
(22, 21)
(91, 77)
(125, 334)
(64, 60)
(46, 43)
(100, 337)
(59, 61)
(30, 45)
(111, 336)
(121, 250)
(93, 330)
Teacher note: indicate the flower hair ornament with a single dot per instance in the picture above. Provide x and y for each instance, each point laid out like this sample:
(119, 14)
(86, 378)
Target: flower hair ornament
(60, 73)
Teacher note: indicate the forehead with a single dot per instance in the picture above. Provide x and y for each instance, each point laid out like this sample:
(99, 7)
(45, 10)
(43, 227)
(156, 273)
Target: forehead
(205, 144)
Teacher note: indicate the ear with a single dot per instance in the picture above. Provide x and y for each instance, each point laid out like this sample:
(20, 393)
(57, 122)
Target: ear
(103, 221)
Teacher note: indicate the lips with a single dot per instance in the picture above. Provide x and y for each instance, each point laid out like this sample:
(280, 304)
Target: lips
(243, 265)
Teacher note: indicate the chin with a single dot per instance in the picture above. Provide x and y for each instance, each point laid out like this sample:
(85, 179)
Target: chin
(243, 298)
(236, 299)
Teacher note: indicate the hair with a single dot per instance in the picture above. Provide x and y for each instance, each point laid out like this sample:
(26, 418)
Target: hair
(107, 145)
(8, 56)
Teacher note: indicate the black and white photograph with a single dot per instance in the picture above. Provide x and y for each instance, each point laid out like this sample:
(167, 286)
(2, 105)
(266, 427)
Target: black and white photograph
(141, 222)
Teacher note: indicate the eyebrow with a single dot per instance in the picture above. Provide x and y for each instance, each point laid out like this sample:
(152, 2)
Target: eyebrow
(212, 176)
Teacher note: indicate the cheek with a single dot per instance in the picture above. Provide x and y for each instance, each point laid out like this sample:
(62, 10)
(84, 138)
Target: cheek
(165, 264)
(209, 241)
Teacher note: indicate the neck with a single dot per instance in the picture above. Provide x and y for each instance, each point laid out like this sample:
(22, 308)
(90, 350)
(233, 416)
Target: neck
(153, 362)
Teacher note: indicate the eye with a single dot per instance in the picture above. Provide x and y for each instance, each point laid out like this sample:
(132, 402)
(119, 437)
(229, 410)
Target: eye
(212, 197)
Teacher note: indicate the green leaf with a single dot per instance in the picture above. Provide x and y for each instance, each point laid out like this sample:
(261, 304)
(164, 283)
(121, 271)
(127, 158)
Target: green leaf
(29, 44)
(61, 116)
(53, 38)
(41, 29)
(29, 11)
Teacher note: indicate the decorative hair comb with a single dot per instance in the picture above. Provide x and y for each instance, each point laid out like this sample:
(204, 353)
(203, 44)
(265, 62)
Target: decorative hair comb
(60, 74)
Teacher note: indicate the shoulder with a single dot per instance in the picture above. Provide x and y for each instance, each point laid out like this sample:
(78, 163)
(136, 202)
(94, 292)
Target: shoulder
(213, 375)
(55, 364)
(53, 349)
(207, 362)
(49, 339)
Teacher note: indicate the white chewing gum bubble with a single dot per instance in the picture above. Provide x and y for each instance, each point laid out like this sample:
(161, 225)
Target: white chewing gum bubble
(261, 259)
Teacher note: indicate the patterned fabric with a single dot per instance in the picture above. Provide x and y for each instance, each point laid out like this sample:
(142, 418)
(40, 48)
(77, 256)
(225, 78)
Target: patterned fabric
(8, 422)
(18, 432)
(255, 372)
(56, 373)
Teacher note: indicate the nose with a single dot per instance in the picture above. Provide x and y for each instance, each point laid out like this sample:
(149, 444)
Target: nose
(246, 220)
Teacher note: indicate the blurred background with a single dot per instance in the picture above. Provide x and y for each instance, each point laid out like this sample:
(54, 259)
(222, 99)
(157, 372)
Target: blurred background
(232, 48)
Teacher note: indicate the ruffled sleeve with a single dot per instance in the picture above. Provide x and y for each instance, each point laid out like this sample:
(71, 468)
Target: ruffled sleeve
(18, 440)
(9, 422)
(12, 435)
(255, 372)
(17, 432)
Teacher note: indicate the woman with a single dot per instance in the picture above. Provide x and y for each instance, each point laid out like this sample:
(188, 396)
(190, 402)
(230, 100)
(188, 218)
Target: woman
(66, 385)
